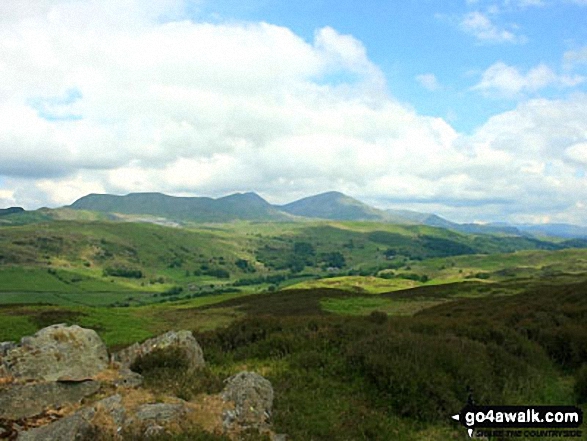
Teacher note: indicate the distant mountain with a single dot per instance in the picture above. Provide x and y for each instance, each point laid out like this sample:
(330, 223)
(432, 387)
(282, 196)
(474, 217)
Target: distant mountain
(431, 220)
(568, 231)
(246, 206)
(11, 210)
(334, 205)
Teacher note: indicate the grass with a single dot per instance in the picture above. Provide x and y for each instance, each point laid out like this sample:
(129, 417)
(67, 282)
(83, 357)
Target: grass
(359, 284)
(14, 327)
(14, 279)
(366, 305)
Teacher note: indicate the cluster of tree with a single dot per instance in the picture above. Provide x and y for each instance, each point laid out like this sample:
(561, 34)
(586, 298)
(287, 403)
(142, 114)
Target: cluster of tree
(245, 266)
(272, 278)
(206, 270)
(123, 271)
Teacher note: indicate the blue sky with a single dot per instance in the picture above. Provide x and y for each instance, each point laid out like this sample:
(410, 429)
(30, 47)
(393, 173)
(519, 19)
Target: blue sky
(411, 38)
(475, 110)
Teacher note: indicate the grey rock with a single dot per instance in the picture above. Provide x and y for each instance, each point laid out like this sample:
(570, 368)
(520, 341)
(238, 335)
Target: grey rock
(23, 401)
(5, 346)
(113, 407)
(58, 352)
(279, 437)
(181, 339)
(75, 427)
(160, 412)
(252, 396)
(128, 379)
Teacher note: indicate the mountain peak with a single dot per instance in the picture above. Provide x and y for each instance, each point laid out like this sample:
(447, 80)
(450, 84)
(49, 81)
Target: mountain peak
(333, 205)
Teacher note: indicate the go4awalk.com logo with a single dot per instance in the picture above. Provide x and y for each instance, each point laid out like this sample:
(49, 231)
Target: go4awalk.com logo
(521, 421)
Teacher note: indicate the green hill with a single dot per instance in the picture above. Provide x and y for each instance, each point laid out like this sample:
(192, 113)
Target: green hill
(337, 206)
(244, 206)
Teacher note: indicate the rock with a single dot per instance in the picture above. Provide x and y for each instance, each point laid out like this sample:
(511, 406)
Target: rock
(128, 379)
(112, 407)
(252, 396)
(23, 401)
(5, 346)
(154, 431)
(182, 339)
(76, 427)
(155, 419)
(160, 412)
(58, 352)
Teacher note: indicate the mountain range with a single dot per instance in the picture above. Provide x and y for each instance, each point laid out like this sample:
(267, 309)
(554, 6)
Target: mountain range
(250, 206)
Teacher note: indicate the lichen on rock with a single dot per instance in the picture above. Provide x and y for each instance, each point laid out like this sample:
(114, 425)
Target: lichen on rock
(56, 353)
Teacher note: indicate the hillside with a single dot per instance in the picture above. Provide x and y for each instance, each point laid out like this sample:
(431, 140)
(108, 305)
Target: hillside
(333, 205)
(366, 330)
(10, 210)
(338, 206)
(78, 260)
(244, 206)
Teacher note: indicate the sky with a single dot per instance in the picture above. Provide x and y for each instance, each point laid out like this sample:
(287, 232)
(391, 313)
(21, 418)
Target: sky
(475, 110)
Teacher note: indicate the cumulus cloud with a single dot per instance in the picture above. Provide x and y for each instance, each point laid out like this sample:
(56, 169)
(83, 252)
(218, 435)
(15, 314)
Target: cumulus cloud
(485, 30)
(508, 81)
(119, 100)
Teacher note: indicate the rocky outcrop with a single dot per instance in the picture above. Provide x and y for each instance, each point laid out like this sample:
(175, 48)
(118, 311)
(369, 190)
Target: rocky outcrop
(127, 378)
(28, 400)
(76, 427)
(56, 353)
(181, 339)
(252, 396)
(53, 386)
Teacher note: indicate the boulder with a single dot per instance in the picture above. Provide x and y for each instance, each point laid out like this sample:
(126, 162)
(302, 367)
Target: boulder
(252, 396)
(182, 339)
(24, 401)
(76, 427)
(128, 379)
(112, 408)
(6, 346)
(161, 413)
(57, 353)
(154, 419)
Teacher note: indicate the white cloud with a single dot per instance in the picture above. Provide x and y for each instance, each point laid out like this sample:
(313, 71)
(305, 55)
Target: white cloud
(524, 3)
(207, 109)
(428, 81)
(575, 57)
(578, 152)
(508, 81)
(483, 29)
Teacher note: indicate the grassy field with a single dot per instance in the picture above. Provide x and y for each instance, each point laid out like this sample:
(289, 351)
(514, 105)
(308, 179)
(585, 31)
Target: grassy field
(359, 284)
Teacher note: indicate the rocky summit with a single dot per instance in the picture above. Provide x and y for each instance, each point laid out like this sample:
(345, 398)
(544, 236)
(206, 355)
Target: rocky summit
(61, 384)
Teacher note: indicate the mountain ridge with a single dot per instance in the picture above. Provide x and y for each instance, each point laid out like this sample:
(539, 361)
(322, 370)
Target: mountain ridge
(250, 206)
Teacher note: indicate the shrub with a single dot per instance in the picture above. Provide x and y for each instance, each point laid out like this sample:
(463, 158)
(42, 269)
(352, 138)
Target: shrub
(581, 384)
(170, 358)
(426, 377)
(165, 370)
(121, 271)
(378, 317)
